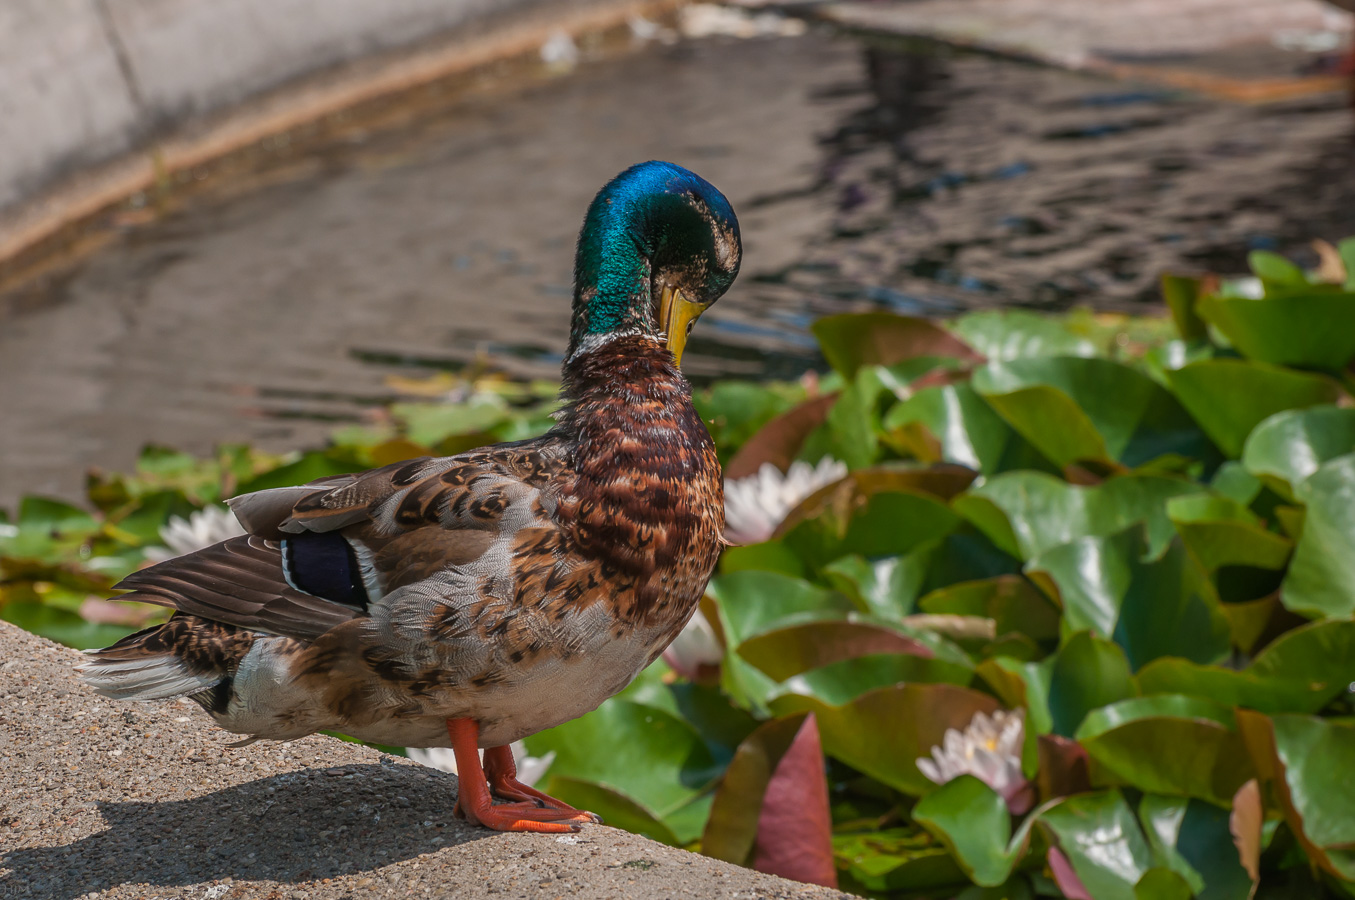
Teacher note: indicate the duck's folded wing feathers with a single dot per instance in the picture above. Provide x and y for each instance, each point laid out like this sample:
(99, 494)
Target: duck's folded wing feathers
(239, 582)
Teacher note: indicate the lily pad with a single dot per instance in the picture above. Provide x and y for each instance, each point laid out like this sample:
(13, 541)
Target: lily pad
(883, 733)
(1028, 513)
(655, 760)
(1088, 409)
(778, 442)
(1230, 397)
(1018, 334)
(1321, 577)
(1307, 327)
(1088, 673)
(1308, 760)
(1193, 840)
(1167, 744)
(1150, 607)
(972, 820)
(1290, 446)
(1100, 837)
(1301, 671)
(951, 423)
(853, 340)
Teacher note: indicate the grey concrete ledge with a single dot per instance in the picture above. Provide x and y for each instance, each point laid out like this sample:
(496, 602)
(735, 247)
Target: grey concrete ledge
(121, 800)
(100, 98)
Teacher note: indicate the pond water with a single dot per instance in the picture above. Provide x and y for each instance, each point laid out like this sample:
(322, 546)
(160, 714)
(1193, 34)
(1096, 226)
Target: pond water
(275, 302)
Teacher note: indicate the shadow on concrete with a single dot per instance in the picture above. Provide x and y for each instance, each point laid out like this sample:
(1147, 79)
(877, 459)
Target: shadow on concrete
(300, 826)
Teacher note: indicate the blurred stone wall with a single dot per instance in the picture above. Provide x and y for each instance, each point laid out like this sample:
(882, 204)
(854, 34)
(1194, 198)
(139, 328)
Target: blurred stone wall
(82, 81)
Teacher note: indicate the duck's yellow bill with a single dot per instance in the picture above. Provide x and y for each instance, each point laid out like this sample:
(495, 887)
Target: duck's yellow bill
(676, 315)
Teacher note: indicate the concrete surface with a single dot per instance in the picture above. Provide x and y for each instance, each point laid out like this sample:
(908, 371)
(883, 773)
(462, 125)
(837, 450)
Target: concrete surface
(118, 800)
(82, 82)
(63, 99)
(1221, 47)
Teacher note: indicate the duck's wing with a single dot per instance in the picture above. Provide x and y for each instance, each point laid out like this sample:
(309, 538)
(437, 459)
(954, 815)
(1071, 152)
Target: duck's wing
(321, 554)
(239, 582)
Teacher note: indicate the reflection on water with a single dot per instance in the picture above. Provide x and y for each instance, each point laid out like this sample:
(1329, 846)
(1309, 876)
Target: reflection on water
(438, 232)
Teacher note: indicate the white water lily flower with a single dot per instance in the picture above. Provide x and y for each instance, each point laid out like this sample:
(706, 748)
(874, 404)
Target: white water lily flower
(755, 505)
(990, 750)
(695, 646)
(202, 529)
(530, 768)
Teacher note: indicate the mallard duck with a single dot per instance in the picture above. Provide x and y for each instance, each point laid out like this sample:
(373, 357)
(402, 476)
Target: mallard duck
(470, 601)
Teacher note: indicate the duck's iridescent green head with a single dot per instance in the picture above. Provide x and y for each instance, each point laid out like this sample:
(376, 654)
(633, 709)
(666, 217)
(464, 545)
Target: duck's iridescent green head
(659, 245)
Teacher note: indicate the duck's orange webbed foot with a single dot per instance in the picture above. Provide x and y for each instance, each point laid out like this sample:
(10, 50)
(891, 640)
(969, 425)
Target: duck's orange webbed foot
(502, 773)
(533, 811)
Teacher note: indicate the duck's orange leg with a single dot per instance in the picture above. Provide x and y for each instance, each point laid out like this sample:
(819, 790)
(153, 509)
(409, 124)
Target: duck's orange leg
(473, 800)
(502, 772)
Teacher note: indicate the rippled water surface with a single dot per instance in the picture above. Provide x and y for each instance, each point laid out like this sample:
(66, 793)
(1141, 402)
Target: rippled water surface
(275, 303)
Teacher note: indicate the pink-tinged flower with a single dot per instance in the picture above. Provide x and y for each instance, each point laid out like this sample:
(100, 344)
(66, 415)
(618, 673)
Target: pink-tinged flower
(755, 505)
(530, 768)
(695, 647)
(202, 529)
(990, 750)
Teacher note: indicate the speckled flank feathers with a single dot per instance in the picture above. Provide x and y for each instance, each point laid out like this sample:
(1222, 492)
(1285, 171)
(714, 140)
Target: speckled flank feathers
(513, 587)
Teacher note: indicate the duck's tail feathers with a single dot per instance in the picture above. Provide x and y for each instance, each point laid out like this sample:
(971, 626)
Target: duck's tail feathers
(187, 656)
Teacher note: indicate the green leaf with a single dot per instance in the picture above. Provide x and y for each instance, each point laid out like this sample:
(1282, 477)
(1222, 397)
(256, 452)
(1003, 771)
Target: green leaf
(311, 466)
(1321, 578)
(1221, 532)
(1088, 673)
(1290, 446)
(1167, 744)
(896, 860)
(732, 830)
(853, 340)
(615, 808)
(1101, 838)
(1275, 270)
(1192, 839)
(884, 732)
(430, 423)
(1181, 293)
(1010, 601)
(778, 442)
(1036, 512)
(865, 514)
(852, 435)
(1015, 334)
(971, 819)
(798, 648)
(735, 410)
(1302, 670)
(652, 758)
(1309, 328)
(1051, 421)
(753, 603)
(143, 518)
(963, 426)
(769, 556)
(886, 586)
(1134, 418)
(54, 518)
(841, 682)
(1162, 884)
(1151, 607)
(1230, 397)
(1309, 761)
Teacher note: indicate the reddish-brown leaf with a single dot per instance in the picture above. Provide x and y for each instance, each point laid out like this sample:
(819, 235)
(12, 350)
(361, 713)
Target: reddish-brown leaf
(794, 832)
(1066, 878)
(1245, 823)
(779, 440)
